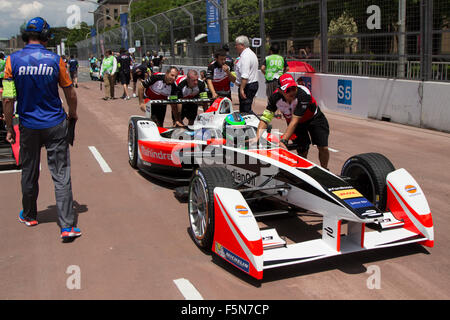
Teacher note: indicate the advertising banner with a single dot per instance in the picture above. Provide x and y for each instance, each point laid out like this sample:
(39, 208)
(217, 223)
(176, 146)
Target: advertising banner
(124, 29)
(213, 22)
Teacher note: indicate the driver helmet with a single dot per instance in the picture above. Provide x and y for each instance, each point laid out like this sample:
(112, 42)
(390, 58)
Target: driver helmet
(232, 123)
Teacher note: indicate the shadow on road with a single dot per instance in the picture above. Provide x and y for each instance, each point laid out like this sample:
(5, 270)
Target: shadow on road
(50, 215)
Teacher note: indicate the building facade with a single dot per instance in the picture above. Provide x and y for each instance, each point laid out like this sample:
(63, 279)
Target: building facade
(108, 12)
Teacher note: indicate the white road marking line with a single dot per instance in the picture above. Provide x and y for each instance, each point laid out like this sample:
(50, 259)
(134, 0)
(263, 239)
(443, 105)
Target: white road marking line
(187, 289)
(100, 159)
(10, 171)
(333, 150)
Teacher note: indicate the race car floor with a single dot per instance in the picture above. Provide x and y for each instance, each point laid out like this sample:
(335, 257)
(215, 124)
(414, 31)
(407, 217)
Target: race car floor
(136, 245)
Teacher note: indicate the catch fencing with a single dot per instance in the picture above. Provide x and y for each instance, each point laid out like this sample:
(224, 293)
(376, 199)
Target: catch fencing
(404, 39)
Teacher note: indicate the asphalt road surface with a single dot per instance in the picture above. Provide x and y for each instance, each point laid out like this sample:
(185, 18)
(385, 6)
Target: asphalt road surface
(135, 242)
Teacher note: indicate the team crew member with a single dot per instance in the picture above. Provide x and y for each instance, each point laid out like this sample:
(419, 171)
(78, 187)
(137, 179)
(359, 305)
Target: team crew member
(160, 86)
(73, 70)
(32, 76)
(108, 71)
(246, 74)
(158, 63)
(139, 72)
(190, 87)
(125, 72)
(147, 60)
(303, 116)
(93, 63)
(219, 74)
(274, 66)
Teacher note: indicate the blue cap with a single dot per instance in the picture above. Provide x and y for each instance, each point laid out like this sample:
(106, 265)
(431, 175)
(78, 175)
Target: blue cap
(37, 25)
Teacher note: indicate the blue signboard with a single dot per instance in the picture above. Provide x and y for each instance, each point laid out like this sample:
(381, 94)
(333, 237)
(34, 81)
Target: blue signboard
(123, 26)
(344, 92)
(213, 22)
(94, 42)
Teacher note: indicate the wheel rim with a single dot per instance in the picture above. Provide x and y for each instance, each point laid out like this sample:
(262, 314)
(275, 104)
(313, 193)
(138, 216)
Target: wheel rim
(198, 208)
(131, 141)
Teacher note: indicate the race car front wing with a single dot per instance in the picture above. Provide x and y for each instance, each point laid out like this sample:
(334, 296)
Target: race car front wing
(239, 240)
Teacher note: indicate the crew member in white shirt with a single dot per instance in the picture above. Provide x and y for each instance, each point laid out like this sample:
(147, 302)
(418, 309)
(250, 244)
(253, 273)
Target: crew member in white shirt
(246, 74)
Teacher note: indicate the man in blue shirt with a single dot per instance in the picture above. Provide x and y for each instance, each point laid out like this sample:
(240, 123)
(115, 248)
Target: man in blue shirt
(32, 76)
(73, 70)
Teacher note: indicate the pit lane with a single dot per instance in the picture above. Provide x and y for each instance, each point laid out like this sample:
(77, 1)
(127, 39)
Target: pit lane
(135, 240)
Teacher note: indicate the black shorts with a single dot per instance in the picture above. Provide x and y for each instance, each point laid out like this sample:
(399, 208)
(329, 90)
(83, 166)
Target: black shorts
(158, 114)
(189, 111)
(124, 77)
(315, 131)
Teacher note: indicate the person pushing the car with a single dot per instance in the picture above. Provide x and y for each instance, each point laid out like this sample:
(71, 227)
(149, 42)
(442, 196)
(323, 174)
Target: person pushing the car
(32, 76)
(303, 116)
(160, 86)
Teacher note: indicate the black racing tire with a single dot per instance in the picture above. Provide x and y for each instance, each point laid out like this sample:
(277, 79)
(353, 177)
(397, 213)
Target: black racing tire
(201, 203)
(133, 141)
(367, 173)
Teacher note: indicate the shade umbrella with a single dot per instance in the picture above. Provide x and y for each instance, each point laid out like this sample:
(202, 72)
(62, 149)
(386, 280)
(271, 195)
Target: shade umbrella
(300, 66)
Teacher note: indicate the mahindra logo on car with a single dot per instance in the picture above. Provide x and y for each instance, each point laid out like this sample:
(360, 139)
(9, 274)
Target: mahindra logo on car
(155, 155)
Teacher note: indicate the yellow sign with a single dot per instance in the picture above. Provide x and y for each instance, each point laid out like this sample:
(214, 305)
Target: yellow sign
(347, 194)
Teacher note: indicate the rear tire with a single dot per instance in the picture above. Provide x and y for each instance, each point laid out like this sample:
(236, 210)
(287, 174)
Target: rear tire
(201, 203)
(368, 172)
(133, 141)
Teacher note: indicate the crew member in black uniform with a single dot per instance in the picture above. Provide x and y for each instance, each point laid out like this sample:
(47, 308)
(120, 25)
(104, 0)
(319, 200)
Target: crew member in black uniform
(190, 87)
(140, 71)
(124, 72)
(303, 116)
(160, 86)
(219, 75)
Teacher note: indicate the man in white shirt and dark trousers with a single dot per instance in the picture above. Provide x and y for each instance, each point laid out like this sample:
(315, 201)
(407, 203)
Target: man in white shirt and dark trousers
(246, 74)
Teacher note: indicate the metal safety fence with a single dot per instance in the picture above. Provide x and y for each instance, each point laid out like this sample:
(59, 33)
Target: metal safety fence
(405, 39)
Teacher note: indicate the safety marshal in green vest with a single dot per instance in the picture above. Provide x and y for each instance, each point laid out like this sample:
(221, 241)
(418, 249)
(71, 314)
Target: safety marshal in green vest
(274, 66)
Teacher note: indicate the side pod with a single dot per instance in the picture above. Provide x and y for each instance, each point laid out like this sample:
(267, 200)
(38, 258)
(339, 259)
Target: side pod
(407, 202)
(237, 238)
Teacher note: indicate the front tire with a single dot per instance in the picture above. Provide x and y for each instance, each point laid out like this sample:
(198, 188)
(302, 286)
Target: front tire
(201, 202)
(368, 172)
(133, 141)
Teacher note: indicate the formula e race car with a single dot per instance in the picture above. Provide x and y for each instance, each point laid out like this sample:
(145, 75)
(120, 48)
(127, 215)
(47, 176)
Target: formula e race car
(370, 205)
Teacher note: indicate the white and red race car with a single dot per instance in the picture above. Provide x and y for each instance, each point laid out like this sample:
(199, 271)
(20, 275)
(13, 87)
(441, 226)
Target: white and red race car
(370, 205)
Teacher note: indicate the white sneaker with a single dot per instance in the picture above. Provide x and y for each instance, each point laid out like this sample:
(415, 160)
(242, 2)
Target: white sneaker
(134, 95)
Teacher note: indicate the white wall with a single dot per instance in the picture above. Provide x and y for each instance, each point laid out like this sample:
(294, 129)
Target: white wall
(436, 106)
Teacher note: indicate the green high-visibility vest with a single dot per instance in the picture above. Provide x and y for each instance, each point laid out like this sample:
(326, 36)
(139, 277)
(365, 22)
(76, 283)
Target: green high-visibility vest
(108, 64)
(274, 67)
(2, 68)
